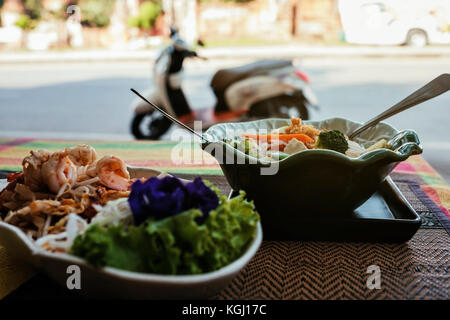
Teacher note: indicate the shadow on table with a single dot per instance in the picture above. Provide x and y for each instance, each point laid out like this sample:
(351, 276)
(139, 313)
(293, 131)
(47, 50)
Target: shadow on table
(41, 287)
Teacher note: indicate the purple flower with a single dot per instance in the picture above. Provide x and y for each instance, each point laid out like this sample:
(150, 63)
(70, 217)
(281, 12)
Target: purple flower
(158, 198)
(202, 197)
(161, 198)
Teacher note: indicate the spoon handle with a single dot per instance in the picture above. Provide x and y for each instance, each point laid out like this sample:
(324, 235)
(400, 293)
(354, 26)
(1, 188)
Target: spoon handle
(432, 89)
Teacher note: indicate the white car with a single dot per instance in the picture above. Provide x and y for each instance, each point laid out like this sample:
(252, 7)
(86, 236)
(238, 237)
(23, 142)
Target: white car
(392, 22)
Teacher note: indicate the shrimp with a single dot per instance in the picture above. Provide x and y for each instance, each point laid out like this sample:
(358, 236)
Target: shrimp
(113, 173)
(82, 155)
(296, 126)
(58, 172)
(31, 166)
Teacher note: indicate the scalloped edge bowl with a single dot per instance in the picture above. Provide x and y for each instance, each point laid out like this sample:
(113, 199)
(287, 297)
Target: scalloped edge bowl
(311, 182)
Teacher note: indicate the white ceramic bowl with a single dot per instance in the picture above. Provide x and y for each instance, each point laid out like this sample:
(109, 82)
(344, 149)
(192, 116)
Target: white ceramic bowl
(115, 283)
(110, 282)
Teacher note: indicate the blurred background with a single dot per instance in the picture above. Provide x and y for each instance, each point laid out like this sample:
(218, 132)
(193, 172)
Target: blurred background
(66, 66)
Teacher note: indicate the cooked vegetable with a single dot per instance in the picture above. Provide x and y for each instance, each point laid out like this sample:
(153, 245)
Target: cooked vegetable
(294, 146)
(283, 137)
(333, 140)
(377, 145)
(354, 149)
(246, 146)
(174, 245)
(294, 138)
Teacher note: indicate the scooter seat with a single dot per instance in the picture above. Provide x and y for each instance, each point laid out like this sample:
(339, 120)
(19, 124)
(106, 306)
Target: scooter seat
(225, 77)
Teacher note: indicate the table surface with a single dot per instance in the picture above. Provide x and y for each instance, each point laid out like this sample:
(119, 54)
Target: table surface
(417, 269)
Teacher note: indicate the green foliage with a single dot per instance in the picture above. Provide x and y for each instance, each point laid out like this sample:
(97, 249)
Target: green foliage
(95, 13)
(33, 8)
(33, 12)
(174, 245)
(148, 12)
(25, 22)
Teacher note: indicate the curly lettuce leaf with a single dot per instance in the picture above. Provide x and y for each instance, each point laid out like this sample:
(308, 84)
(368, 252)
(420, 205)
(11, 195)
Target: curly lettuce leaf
(174, 245)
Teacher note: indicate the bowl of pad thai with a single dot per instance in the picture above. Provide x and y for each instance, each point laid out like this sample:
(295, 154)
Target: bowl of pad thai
(133, 232)
(291, 167)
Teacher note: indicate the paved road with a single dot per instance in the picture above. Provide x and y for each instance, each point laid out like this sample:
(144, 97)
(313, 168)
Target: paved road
(91, 100)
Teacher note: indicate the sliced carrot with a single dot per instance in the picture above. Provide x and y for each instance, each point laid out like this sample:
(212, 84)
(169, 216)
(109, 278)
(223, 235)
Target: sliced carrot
(283, 137)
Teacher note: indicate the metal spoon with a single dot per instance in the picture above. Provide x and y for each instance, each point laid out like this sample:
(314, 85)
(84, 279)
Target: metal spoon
(432, 89)
(168, 116)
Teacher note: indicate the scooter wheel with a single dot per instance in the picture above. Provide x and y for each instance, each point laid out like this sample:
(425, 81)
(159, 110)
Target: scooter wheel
(149, 126)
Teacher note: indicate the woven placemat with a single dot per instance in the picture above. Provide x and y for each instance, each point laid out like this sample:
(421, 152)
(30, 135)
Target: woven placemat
(418, 269)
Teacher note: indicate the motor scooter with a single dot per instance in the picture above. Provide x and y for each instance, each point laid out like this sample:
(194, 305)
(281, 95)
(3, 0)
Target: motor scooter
(262, 89)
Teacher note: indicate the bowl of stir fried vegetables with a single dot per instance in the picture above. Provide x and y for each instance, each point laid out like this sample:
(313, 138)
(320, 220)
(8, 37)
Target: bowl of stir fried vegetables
(294, 167)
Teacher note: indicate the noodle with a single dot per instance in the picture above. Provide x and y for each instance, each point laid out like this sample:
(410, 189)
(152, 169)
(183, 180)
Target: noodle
(64, 188)
(87, 182)
(51, 184)
(46, 225)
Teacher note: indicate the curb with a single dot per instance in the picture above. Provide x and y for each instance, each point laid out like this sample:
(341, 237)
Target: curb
(232, 53)
(329, 52)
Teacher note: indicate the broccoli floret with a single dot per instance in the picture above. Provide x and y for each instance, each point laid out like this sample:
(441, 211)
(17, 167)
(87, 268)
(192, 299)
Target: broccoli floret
(333, 140)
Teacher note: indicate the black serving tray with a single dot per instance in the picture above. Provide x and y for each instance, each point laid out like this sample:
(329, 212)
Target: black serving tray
(385, 217)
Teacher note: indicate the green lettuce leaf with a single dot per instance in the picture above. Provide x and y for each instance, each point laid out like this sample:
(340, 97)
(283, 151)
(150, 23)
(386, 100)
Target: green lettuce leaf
(174, 245)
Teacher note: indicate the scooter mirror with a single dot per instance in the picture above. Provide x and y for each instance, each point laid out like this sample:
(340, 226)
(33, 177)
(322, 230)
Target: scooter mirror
(200, 43)
(173, 31)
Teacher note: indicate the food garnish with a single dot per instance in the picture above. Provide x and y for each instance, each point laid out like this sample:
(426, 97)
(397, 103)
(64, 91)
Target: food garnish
(195, 235)
(332, 140)
(297, 137)
(162, 198)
